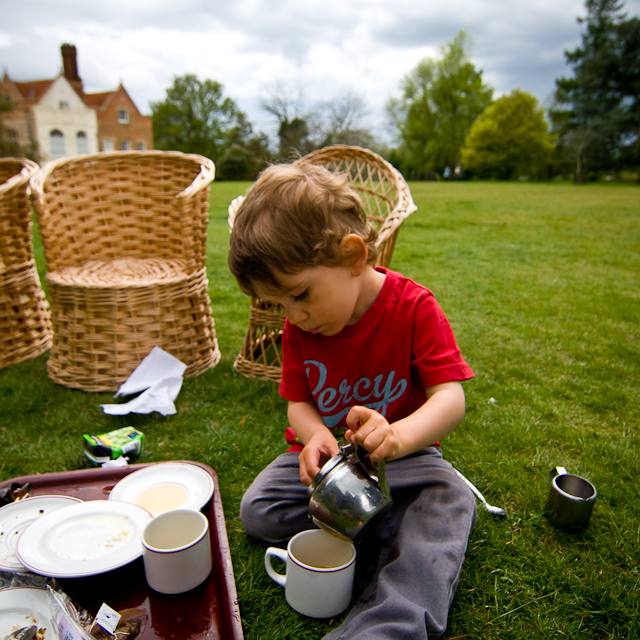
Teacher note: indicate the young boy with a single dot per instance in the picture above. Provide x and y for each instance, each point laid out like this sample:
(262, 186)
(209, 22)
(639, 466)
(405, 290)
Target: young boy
(366, 349)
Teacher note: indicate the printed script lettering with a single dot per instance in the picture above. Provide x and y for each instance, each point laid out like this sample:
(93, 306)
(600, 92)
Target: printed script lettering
(334, 404)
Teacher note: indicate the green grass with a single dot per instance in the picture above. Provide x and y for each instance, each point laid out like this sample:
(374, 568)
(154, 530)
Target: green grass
(542, 286)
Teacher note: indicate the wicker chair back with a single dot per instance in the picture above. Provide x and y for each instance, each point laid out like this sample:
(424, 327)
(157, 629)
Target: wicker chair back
(25, 326)
(124, 238)
(387, 201)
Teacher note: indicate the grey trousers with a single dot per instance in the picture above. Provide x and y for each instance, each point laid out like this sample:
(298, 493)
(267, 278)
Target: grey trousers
(423, 539)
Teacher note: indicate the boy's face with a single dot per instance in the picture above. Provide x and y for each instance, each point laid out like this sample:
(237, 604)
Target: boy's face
(318, 299)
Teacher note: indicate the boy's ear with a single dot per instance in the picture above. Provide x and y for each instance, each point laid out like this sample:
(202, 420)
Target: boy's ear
(354, 252)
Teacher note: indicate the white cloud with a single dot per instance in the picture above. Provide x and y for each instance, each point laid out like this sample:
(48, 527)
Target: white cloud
(324, 46)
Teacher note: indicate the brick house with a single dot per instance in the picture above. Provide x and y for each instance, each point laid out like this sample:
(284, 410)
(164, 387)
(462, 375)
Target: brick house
(55, 118)
(120, 124)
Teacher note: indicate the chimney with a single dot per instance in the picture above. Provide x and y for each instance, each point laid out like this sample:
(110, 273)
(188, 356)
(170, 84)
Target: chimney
(70, 66)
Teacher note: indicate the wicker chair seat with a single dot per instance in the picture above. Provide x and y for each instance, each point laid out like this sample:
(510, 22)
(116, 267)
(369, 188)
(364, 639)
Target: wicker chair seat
(120, 273)
(103, 329)
(124, 235)
(387, 202)
(25, 327)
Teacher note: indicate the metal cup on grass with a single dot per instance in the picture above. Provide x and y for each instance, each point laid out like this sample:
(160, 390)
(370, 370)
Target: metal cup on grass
(570, 501)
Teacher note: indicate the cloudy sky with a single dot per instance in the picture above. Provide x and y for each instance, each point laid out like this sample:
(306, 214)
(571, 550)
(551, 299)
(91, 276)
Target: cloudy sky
(321, 48)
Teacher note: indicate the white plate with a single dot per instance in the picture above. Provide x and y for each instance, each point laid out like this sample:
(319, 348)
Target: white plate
(22, 607)
(16, 517)
(83, 539)
(165, 486)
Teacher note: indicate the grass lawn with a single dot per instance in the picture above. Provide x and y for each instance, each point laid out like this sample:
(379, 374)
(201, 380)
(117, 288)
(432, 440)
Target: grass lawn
(542, 286)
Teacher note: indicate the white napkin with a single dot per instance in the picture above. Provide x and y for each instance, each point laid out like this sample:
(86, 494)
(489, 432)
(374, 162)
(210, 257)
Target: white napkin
(159, 376)
(118, 462)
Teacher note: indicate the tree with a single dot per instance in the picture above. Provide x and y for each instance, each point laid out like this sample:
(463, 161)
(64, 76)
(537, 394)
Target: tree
(302, 129)
(342, 122)
(441, 99)
(196, 118)
(509, 139)
(597, 112)
(9, 144)
(244, 154)
(285, 104)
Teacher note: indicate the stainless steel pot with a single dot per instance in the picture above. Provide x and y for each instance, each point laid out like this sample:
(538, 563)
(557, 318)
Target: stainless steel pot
(349, 494)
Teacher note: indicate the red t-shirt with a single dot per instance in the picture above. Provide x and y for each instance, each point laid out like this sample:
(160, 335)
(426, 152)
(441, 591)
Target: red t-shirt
(402, 344)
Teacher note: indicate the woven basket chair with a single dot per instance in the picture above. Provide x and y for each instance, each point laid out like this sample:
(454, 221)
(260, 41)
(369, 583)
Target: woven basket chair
(124, 237)
(387, 202)
(25, 326)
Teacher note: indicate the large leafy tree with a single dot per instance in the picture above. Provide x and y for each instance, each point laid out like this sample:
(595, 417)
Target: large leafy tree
(510, 139)
(597, 111)
(440, 101)
(195, 117)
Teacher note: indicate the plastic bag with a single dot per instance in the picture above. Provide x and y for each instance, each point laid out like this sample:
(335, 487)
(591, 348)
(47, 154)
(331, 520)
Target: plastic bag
(68, 620)
(71, 622)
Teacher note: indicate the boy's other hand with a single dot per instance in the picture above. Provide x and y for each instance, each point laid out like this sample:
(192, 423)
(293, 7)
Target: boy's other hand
(316, 452)
(371, 430)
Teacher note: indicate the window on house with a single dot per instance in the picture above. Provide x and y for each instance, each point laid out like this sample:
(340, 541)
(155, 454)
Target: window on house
(125, 145)
(56, 141)
(107, 144)
(82, 142)
(123, 116)
(63, 104)
(141, 145)
(12, 140)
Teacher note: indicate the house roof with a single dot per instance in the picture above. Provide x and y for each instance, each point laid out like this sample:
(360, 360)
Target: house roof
(34, 90)
(97, 100)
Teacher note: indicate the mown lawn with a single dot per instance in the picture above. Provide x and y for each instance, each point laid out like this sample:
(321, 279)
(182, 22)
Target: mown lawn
(541, 283)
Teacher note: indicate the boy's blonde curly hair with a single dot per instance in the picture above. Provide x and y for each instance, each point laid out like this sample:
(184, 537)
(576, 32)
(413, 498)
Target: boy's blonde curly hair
(294, 217)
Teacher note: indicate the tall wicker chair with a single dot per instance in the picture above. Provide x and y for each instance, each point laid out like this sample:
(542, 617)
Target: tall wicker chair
(25, 327)
(124, 236)
(387, 201)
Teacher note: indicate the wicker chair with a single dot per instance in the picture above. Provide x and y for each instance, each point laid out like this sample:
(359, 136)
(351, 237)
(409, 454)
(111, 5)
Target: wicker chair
(124, 236)
(387, 201)
(25, 327)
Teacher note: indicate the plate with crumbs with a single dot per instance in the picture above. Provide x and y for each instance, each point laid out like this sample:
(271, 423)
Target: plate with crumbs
(16, 517)
(83, 539)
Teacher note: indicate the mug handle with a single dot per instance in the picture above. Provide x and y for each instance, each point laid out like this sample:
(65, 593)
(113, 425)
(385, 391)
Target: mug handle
(278, 553)
(557, 471)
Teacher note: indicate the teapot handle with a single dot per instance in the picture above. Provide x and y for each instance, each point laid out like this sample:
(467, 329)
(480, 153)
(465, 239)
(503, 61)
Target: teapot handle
(379, 477)
(376, 471)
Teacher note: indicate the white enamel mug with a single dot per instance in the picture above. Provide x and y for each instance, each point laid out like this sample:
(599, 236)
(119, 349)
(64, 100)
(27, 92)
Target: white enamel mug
(319, 573)
(176, 551)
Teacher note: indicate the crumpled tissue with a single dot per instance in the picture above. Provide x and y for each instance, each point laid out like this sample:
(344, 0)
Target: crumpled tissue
(159, 376)
(118, 462)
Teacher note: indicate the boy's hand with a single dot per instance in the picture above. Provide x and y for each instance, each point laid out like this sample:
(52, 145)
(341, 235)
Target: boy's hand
(316, 452)
(371, 430)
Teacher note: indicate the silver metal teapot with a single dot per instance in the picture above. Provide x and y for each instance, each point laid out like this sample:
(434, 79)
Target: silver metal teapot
(349, 494)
